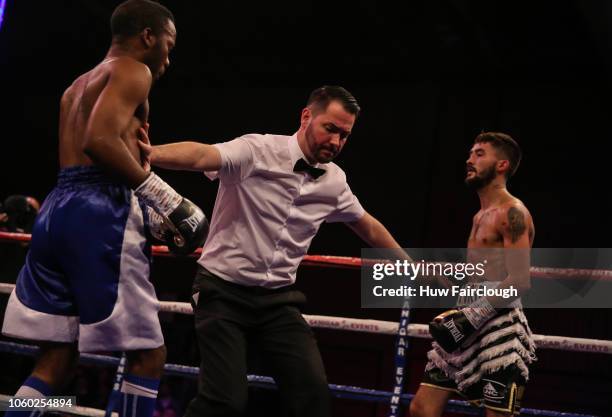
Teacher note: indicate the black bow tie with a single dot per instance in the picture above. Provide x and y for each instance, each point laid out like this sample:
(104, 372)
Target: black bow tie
(303, 166)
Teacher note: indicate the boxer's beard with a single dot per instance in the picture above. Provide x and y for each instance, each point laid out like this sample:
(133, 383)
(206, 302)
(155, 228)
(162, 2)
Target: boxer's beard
(479, 181)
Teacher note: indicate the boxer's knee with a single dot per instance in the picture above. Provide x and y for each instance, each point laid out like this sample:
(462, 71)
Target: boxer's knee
(429, 401)
(56, 364)
(417, 408)
(421, 407)
(148, 363)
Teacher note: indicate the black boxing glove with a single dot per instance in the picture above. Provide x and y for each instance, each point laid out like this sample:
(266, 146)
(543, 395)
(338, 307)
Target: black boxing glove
(451, 328)
(184, 226)
(189, 227)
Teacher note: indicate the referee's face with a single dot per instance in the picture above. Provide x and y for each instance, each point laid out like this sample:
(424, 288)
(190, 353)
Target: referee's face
(328, 131)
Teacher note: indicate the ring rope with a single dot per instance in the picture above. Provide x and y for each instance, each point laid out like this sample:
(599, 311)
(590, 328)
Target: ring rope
(573, 344)
(355, 263)
(339, 391)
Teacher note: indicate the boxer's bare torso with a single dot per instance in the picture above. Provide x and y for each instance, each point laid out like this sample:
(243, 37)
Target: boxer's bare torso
(493, 228)
(76, 107)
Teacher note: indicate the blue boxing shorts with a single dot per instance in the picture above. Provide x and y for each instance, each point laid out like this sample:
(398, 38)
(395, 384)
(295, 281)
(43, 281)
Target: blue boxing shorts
(86, 275)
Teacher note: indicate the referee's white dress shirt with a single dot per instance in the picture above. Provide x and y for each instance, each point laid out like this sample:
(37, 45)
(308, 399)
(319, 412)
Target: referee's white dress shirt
(265, 214)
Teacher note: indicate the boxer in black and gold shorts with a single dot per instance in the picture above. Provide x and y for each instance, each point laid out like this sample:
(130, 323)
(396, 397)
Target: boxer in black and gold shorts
(483, 347)
(497, 389)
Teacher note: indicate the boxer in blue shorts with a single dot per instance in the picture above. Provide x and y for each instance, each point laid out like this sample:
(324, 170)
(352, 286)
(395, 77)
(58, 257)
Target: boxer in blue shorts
(84, 286)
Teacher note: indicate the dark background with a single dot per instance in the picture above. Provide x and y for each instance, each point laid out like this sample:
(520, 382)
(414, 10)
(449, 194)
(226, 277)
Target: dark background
(429, 74)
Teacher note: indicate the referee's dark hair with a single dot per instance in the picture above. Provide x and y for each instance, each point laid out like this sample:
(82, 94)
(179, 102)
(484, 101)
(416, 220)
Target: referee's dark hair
(320, 98)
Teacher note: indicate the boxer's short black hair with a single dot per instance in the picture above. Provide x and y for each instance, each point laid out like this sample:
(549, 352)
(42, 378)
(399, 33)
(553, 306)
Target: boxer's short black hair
(133, 16)
(322, 96)
(506, 146)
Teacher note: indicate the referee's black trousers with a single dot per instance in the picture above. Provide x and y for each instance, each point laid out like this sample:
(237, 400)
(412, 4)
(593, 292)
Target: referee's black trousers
(232, 319)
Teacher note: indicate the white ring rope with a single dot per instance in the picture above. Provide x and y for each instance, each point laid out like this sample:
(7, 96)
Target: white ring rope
(572, 344)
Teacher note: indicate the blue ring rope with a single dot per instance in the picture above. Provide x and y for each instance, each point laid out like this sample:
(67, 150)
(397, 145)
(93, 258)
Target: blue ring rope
(339, 391)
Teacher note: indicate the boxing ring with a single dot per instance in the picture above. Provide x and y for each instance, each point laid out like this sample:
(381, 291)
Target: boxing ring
(402, 331)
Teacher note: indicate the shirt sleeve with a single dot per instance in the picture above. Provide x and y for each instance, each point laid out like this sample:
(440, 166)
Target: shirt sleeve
(237, 160)
(348, 208)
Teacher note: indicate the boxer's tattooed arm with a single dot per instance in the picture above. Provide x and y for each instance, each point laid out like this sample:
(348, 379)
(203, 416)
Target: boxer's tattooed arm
(516, 223)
